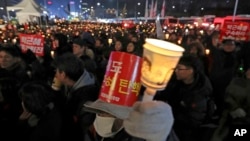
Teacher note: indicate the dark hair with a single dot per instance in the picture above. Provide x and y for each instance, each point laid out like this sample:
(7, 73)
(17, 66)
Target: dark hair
(191, 61)
(62, 39)
(70, 64)
(9, 87)
(36, 97)
(79, 41)
(11, 50)
(198, 45)
(89, 63)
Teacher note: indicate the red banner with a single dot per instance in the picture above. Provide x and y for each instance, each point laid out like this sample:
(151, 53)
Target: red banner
(121, 84)
(34, 42)
(238, 31)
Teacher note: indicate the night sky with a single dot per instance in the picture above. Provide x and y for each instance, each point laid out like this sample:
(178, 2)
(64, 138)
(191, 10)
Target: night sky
(181, 7)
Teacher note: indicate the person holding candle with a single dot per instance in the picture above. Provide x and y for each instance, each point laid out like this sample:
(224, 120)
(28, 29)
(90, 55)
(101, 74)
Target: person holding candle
(144, 121)
(119, 114)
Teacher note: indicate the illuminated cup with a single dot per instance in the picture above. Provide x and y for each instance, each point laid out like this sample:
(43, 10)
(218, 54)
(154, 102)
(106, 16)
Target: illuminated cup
(159, 59)
(121, 84)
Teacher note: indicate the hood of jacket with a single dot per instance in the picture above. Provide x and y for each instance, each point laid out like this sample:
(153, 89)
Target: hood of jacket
(85, 79)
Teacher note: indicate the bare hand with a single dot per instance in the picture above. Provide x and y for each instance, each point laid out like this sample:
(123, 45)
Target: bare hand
(25, 115)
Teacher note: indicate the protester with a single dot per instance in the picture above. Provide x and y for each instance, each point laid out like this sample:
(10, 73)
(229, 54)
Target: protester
(197, 49)
(12, 65)
(133, 48)
(40, 119)
(224, 65)
(79, 87)
(188, 93)
(60, 44)
(79, 49)
(119, 46)
(10, 107)
(144, 121)
(236, 114)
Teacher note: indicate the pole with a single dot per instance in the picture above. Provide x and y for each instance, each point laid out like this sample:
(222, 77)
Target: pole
(146, 11)
(6, 10)
(117, 9)
(235, 9)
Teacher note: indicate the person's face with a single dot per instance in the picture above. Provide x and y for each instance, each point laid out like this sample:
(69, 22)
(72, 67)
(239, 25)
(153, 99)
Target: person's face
(215, 40)
(60, 76)
(183, 73)
(130, 47)
(229, 47)
(7, 60)
(98, 44)
(77, 50)
(55, 43)
(118, 45)
(134, 39)
(193, 50)
(172, 37)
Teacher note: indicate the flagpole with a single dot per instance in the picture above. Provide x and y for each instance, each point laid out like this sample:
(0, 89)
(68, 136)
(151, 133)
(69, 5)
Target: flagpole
(235, 9)
(163, 9)
(146, 11)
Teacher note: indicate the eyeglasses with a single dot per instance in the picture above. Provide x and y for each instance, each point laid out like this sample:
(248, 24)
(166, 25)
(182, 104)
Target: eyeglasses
(180, 69)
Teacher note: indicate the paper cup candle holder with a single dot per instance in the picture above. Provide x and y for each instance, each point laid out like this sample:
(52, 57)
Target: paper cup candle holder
(159, 59)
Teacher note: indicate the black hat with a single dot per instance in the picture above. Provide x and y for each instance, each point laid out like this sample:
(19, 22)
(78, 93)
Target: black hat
(79, 42)
(228, 41)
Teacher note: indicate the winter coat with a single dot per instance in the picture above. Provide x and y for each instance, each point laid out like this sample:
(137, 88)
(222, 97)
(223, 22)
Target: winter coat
(76, 120)
(188, 102)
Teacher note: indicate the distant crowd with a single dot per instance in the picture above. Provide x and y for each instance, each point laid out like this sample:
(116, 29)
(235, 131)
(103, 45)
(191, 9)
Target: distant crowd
(42, 97)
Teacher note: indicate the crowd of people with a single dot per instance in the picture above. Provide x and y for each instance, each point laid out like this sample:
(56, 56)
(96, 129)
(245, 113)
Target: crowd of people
(47, 97)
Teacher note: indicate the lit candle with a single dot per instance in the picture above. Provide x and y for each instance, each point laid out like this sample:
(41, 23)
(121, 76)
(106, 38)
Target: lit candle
(207, 51)
(110, 41)
(52, 53)
(166, 36)
(14, 40)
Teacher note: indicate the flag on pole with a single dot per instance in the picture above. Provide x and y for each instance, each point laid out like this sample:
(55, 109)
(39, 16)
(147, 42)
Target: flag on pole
(155, 9)
(152, 9)
(163, 8)
(159, 32)
(146, 9)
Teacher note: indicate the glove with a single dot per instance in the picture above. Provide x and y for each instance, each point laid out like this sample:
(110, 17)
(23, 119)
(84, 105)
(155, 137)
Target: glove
(150, 120)
(238, 113)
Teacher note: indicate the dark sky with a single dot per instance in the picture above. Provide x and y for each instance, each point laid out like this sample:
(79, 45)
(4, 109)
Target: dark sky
(192, 7)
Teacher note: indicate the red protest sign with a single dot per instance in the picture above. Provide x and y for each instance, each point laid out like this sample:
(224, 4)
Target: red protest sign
(238, 31)
(34, 42)
(121, 84)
